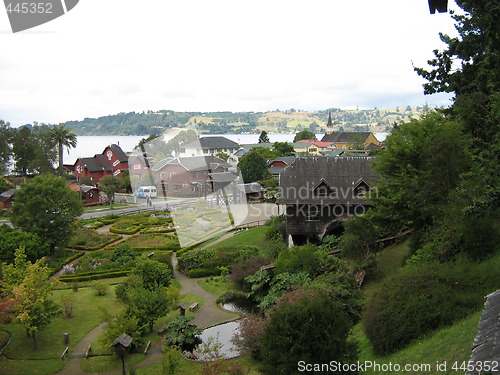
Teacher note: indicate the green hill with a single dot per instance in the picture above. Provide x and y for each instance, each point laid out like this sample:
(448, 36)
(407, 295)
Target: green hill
(289, 121)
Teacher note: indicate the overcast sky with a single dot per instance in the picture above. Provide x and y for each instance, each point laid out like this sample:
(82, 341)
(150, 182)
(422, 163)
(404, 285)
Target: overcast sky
(110, 56)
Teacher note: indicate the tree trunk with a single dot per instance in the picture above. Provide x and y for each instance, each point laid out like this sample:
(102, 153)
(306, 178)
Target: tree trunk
(61, 158)
(33, 336)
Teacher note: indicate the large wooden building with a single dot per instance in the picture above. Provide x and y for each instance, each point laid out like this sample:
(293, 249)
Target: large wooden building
(321, 192)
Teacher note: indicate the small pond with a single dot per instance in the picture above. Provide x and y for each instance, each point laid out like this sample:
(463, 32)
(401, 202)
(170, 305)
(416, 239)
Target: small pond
(241, 305)
(223, 333)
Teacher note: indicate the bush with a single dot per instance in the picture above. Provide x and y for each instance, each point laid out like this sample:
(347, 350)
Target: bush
(246, 267)
(122, 254)
(214, 257)
(204, 272)
(100, 288)
(307, 326)
(422, 298)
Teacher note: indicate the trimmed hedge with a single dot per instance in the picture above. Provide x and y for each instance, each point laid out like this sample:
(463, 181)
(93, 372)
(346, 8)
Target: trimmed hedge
(153, 230)
(100, 246)
(86, 276)
(73, 257)
(133, 229)
(204, 272)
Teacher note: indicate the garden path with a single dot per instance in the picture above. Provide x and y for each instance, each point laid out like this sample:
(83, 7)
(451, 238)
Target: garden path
(207, 315)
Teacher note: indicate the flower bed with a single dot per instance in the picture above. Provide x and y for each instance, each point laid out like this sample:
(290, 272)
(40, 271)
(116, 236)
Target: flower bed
(91, 240)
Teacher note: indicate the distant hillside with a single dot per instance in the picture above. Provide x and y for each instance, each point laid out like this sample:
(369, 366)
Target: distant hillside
(289, 121)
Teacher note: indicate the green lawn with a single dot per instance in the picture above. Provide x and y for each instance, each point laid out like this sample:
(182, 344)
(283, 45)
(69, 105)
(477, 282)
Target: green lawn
(251, 237)
(86, 316)
(216, 285)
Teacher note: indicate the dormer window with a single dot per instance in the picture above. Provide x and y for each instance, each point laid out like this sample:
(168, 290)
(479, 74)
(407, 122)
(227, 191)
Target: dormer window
(360, 188)
(322, 190)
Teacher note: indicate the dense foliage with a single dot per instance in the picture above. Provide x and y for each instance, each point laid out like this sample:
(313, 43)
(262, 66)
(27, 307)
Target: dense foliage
(305, 326)
(424, 297)
(47, 207)
(253, 167)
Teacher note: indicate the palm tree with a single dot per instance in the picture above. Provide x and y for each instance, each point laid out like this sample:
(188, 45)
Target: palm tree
(62, 137)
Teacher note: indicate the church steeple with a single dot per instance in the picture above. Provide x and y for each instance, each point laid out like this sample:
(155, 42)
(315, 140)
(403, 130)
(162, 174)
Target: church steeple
(329, 124)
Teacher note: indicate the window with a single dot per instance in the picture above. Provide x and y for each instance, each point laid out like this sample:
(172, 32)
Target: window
(322, 190)
(137, 166)
(313, 213)
(172, 176)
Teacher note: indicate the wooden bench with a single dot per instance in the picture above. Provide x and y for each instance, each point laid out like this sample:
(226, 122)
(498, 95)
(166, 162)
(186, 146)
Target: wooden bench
(162, 330)
(193, 307)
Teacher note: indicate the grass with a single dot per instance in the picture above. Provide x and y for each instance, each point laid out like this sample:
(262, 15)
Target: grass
(252, 237)
(112, 362)
(450, 344)
(216, 285)
(190, 368)
(389, 261)
(86, 316)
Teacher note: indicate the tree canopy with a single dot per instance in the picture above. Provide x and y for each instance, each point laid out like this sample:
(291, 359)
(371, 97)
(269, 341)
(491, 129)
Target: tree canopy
(304, 134)
(47, 207)
(253, 167)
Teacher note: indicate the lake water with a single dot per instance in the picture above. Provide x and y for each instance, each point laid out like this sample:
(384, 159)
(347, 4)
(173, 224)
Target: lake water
(88, 146)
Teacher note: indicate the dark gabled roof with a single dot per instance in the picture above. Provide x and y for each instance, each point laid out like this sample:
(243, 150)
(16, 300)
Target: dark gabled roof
(118, 152)
(299, 180)
(104, 162)
(212, 142)
(91, 164)
(123, 339)
(276, 170)
(346, 137)
(332, 153)
(486, 345)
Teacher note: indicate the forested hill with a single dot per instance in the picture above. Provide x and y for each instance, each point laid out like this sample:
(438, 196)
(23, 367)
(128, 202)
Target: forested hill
(289, 121)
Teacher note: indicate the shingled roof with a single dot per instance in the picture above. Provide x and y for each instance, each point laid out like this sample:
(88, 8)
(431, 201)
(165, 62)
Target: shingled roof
(341, 175)
(486, 347)
(91, 164)
(346, 137)
(119, 153)
(104, 162)
(212, 142)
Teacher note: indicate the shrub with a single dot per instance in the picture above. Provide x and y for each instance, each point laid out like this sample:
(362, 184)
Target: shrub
(100, 288)
(424, 297)
(246, 267)
(122, 254)
(214, 257)
(307, 326)
(204, 272)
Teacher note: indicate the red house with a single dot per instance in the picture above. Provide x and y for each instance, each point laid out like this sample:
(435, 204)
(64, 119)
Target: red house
(90, 195)
(112, 161)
